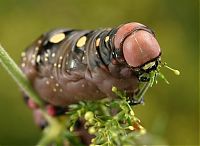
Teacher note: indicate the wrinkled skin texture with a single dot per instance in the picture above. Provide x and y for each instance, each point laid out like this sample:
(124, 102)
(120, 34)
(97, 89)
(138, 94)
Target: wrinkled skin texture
(63, 69)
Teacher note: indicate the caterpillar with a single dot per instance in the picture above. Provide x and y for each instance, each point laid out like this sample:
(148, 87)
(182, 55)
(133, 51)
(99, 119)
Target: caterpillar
(66, 66)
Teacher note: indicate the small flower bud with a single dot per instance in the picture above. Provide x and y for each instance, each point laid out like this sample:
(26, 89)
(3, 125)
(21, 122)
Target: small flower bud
(177, 72)
(114, 89)
(98, 124)
(71, 128)
(143, 131)
(89, 115)
(91, 130)
(131, 127)
(93, 140)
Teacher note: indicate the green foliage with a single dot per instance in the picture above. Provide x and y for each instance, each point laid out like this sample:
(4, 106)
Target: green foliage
(113, 122)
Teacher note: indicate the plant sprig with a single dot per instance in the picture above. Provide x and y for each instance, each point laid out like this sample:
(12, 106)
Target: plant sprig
(119, 126)
(54, 129)
(113, 122)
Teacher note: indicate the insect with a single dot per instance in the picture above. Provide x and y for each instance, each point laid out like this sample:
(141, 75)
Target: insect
(66, 66)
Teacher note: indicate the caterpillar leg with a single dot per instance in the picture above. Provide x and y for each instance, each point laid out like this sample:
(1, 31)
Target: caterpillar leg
(38, 117)
(134, 101)
(56, 111)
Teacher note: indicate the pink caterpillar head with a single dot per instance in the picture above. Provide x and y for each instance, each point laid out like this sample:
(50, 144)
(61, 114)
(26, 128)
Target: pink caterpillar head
(140, 48)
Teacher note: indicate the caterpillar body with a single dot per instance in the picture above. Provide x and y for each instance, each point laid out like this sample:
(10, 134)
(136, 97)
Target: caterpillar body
(66, 66)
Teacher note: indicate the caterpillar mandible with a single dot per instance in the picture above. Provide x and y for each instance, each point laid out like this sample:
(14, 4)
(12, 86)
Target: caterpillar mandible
(66, 66)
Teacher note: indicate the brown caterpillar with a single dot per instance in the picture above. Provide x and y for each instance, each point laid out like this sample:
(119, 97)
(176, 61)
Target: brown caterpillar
(66, 66)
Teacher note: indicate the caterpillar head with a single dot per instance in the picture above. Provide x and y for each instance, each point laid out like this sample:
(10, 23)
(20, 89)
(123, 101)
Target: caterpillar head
(140, 48)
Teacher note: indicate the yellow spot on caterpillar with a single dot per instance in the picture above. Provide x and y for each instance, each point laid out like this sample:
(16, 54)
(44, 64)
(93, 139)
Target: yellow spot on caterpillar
(59, 65)
(54, 89)
(60, 57)
(39, 41)
(107, 38)
(33, 56)
(53, 55)
(81, 41)
(45, 59)
(46, 54)
(24, 58)
(54, 64)
(38, 59)
(57, 38)
(57, 84)
(51, 77)
(36, 48)
(97, 42)
(61, 90)
(47, 82)
(23, 64)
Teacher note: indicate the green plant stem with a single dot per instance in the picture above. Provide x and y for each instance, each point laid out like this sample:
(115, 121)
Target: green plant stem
(18, 76)
(143, 90)
(54, 128)
(52, 131)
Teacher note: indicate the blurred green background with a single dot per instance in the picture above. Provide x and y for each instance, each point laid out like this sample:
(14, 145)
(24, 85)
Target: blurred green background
(170, 112)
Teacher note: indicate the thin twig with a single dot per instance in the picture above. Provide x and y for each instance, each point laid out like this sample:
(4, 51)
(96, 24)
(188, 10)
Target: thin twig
(15, 72)
(55, 128)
